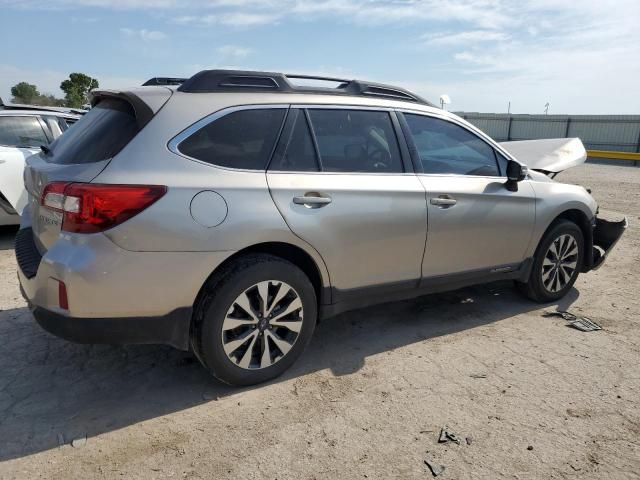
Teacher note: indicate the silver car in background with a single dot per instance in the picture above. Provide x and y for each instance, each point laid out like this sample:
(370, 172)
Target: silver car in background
(230, 213)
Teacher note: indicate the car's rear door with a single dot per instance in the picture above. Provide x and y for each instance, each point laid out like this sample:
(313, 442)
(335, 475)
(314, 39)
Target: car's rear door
(476, 225)
(340, 179)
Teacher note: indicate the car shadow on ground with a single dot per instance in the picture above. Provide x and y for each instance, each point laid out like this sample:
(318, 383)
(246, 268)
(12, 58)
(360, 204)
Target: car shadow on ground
(52, 391)
(7, 237)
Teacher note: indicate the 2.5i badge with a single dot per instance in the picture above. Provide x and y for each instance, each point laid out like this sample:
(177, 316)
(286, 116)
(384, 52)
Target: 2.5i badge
(48, 218)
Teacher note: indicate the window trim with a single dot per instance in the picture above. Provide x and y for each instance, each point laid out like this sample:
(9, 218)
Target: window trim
(314, 139)
(282, 145)
(415, 156)
(38, 120)
(174, 144)
(48, 132)
(405, 157)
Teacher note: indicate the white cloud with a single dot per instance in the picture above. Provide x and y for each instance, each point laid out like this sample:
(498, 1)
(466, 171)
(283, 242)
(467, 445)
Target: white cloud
(580, 56)
(233, 51)
(460, 38)
(234, 19)
(143, 34)
(240, 19)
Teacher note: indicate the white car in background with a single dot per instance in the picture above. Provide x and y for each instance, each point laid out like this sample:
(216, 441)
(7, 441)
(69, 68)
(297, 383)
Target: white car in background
(24, 130)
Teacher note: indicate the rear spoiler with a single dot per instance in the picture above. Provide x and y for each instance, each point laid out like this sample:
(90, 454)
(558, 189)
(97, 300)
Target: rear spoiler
(142, 111)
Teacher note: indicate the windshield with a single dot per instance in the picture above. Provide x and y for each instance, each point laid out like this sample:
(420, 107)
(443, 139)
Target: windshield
(98, 135)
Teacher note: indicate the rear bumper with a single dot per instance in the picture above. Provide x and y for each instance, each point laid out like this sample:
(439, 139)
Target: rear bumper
(171, 329)
(115, 296)
(606, 234)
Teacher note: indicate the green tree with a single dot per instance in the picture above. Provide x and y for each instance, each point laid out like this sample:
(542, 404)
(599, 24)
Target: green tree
(24, 92)
(76, 89)
(48, 100)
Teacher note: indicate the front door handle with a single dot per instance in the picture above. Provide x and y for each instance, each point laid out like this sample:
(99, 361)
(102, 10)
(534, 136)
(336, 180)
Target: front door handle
(443, 201)
(312, 200)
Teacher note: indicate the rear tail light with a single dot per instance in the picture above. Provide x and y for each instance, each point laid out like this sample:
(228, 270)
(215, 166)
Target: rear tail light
(91, 208)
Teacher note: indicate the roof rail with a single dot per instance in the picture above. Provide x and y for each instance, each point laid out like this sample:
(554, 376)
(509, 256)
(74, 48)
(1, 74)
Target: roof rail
(164, 81)
(208, 81)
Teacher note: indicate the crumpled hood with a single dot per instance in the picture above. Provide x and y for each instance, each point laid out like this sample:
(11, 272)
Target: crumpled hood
(551, 155)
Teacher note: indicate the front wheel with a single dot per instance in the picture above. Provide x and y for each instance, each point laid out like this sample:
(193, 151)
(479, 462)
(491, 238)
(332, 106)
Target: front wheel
(255, 320)
(556, 264)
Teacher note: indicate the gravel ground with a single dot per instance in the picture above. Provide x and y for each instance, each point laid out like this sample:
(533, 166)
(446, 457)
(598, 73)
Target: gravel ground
(536, 399)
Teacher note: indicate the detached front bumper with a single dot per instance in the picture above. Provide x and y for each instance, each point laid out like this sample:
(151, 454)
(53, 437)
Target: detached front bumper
(606, 234)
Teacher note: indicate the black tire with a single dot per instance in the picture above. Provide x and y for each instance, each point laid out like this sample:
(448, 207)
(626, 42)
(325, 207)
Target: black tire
(535, 288)
(218, 296)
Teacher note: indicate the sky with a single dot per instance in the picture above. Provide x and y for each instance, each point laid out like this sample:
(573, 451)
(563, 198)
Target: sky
(580, 56)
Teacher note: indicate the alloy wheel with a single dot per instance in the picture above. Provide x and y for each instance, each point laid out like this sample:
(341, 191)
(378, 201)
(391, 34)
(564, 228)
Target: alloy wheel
(560, 263)
(262, 325)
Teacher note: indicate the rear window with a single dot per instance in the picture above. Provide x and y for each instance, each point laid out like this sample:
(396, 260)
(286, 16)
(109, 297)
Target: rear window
(242, 139)
(100, 134)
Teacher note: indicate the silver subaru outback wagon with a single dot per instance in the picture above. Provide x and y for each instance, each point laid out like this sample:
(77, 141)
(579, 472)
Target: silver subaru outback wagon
(228, 214)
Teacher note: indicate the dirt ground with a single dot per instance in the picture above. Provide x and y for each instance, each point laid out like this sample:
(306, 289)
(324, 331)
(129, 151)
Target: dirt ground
(367, 400)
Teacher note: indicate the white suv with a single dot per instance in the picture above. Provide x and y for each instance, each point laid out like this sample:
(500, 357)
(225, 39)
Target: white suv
(24, 130)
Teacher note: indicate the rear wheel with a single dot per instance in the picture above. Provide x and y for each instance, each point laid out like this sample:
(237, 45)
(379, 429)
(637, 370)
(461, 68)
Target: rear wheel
(556, 264)
(254, 320)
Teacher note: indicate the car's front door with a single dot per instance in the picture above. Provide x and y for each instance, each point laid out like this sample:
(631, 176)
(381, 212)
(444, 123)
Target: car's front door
(338, 177)
(475, 223)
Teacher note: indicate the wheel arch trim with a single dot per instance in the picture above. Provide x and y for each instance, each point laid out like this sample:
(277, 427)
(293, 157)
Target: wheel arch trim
(576, 215)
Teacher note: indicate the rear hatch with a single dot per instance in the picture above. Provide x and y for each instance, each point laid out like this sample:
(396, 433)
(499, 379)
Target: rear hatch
(82, 153)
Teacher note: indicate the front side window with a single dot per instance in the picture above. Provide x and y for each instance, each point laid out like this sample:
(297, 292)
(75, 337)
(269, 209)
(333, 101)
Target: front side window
(22, 132)
(444, 147)
(356, 141)
(242, 139)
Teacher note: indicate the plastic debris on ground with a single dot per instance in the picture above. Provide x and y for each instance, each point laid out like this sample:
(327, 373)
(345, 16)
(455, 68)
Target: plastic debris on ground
(584, 324)
(434, 467)
(447, 436)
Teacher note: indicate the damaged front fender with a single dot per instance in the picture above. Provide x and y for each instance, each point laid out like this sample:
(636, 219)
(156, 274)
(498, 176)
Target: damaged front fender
(606, 234)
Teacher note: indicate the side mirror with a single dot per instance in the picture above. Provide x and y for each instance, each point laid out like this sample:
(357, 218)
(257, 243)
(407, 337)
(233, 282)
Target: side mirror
(515, 173)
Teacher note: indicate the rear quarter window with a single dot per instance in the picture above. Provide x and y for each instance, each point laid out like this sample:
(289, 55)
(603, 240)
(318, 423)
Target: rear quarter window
(242, 139)
(99, 135)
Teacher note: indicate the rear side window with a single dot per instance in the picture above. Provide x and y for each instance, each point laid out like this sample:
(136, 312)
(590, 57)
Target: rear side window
(444, 147)
(100, 134)
(242, 139)
(356, 141)
(21, 132)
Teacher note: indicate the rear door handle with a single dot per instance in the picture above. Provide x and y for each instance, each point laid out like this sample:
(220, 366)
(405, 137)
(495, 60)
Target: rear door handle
(313, 200)
(443, 201)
